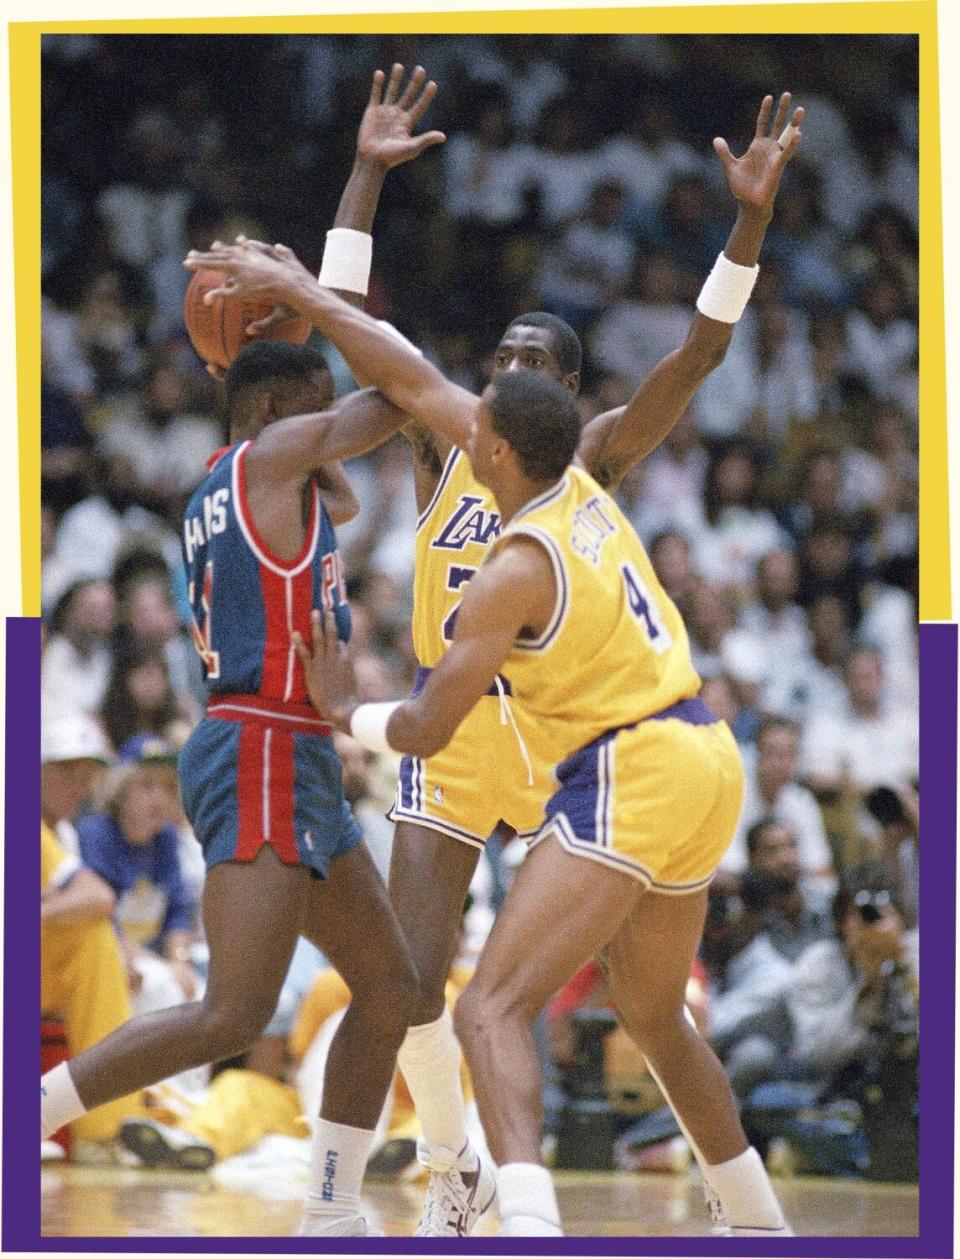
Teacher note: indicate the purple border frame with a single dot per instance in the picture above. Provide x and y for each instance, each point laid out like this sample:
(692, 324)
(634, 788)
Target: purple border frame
(21, 1182)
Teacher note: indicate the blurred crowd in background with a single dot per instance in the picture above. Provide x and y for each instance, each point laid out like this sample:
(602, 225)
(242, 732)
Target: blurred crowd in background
(780, 513)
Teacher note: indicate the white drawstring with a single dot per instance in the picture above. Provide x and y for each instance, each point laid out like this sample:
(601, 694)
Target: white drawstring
(506, 714)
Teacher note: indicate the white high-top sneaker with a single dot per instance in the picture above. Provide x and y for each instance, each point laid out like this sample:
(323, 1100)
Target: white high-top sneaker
(461, 1188)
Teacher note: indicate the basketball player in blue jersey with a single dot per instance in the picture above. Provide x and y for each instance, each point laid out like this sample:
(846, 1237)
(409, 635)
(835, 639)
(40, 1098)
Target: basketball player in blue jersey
(261, 782)
(448, 804)
(608, 447)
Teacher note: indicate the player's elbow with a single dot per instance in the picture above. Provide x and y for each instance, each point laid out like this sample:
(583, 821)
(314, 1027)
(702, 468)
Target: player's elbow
(703, 352)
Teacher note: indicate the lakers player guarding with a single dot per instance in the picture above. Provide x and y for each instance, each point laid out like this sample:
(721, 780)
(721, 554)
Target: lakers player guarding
(609, 446)
(448, 804)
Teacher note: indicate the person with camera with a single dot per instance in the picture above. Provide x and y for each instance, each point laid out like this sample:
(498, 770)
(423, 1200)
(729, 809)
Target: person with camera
(848, 991)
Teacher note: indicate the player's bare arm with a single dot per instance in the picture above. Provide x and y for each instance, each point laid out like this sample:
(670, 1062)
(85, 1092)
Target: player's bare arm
(336, 493)
(292, 448)
(403, 376)
(514, 594)
(616, 440)
(385, 139)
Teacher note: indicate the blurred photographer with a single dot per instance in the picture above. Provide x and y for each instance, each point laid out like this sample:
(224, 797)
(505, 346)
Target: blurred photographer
(897, 815)
(853, 1006)
(848, 992)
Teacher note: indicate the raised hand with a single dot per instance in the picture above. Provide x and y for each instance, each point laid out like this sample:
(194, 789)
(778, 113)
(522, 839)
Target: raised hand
(252, 268)
(328, 669)
(385, 136)
(755, 177)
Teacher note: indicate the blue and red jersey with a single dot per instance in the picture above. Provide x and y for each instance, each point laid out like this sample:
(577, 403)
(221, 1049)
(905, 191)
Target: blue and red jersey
(246, 602)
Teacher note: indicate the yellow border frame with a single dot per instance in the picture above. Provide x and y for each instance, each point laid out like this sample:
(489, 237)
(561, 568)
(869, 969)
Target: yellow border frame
(914, 17)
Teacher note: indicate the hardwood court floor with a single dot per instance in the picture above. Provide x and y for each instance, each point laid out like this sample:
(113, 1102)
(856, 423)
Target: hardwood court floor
(119, 1202)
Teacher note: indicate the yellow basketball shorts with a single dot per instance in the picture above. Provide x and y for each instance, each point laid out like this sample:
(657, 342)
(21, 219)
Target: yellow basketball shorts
(477, 781)
(659, 800)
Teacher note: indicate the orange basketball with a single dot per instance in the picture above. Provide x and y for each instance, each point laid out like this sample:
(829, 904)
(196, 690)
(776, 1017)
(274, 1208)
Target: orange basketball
(219, 330)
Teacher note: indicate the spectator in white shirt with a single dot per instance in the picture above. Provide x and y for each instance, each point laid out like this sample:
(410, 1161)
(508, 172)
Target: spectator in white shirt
(738, 531)
(565, 164)
(881, 339)
(774, 618)
(871, 742)
(648, 155)
(76, 661)
(812, 682)
(166, 443)
(588, 266)
(772, 791)
(649, 323)
(670, 483)
(487, 172)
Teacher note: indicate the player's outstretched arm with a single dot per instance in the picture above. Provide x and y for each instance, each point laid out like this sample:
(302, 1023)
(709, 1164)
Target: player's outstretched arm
(379, 355)
(513, 591)
(293, 448)
(616, 440)
(385, 139)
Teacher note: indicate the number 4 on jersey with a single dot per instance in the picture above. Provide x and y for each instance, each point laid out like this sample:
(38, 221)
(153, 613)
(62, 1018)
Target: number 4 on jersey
(644, 607)
(203, 638)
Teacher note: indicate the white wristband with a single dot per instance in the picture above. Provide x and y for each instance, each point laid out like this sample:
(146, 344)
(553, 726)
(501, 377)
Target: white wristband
(727, 290)
(368, 725)
(347, 256)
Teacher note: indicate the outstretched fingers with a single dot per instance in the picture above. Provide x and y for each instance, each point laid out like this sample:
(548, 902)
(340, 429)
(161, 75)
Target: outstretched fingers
(763, 118)
(789, 139)
(781, 119)
(414, 84)
(722, 150)
(422, 103)
(393, 84)
(376, 87)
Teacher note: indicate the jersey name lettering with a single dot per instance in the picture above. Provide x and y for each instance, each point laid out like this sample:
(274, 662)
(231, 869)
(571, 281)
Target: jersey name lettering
(591, 528)
(469, 523)
(198, 530)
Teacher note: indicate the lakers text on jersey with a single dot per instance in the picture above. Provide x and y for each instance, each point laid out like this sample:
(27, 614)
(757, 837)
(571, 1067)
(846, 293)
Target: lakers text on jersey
(480, 778)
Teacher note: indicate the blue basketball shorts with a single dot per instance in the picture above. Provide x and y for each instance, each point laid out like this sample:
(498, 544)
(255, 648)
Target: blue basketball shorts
(246, 782)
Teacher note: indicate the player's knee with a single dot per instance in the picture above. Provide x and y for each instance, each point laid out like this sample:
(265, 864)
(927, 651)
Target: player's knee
(480, 1010)
(652, 1023)
(402, 999)
(232, 1028)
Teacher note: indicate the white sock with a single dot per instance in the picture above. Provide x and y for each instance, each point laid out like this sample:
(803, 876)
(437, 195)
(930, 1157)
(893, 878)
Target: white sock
(337, 1163)
(525, 1193)
(430, 1061)
(745, 1192)
(59, 1101)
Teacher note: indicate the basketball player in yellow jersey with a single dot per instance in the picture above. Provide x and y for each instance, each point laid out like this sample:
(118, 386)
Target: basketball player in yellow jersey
(430, 875)
(646, 793)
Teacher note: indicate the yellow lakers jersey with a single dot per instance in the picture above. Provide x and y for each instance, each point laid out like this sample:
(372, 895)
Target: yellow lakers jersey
(454, 533)
(615, 650)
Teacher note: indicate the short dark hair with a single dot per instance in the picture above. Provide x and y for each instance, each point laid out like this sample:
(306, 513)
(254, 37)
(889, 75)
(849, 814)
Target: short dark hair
(540, 420)
(274, 361)
(566, 343)
(756, 831)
